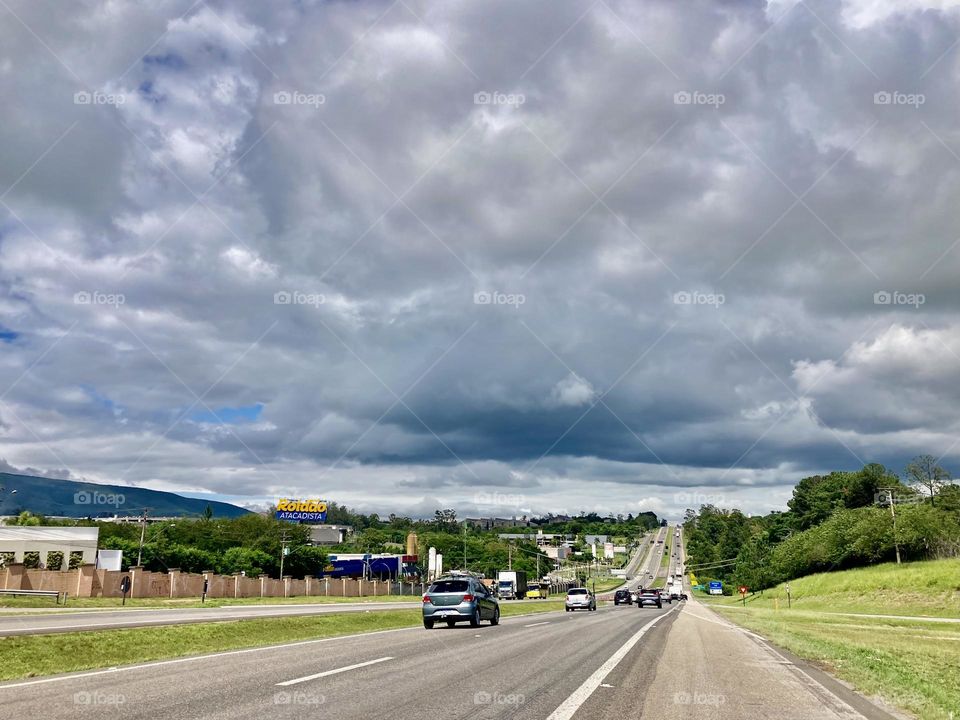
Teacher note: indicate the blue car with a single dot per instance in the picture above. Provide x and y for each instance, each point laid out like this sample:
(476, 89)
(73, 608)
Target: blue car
(459, 599)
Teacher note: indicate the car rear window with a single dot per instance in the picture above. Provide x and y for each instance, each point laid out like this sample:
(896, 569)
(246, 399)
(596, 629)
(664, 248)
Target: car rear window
(577, 591)
(445, 586)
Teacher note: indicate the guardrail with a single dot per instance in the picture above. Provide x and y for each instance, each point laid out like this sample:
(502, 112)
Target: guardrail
(37, 593)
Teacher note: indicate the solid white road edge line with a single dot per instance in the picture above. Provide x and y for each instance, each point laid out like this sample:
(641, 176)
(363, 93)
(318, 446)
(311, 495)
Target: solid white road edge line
(225, 653)
(333, 672)
(579, 696)
(545, 622)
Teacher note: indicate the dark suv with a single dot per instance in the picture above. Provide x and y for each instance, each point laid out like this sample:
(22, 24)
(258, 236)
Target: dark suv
(649, 596)
(622, 596)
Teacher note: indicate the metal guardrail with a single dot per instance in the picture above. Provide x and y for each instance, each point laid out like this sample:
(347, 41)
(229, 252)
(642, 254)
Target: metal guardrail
(37, 593)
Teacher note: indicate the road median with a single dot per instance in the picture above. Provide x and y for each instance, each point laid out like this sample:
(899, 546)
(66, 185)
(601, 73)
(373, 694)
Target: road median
(39, 655)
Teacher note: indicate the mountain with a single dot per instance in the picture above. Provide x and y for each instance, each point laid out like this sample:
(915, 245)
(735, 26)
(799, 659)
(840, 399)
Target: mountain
(50, 496)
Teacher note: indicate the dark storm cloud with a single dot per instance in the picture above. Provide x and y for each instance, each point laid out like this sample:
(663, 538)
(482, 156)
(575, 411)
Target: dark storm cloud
(634, 253)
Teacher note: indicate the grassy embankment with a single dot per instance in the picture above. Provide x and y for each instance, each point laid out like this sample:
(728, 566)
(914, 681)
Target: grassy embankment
(35, 655)
(914, 664)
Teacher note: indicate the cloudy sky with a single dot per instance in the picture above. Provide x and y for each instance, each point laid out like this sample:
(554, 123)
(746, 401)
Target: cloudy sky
(506, 257)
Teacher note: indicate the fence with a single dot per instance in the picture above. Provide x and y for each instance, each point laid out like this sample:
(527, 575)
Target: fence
(87, 581)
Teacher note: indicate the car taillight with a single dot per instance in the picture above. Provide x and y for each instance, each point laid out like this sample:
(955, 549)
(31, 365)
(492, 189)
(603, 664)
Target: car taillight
(468, 598)
(426, 599)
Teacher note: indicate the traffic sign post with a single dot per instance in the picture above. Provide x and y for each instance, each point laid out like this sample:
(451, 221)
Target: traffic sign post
(125, 588)
(743, 594)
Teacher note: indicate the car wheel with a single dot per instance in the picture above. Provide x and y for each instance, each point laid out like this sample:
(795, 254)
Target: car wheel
(428, 623)
(495, 620)
(475, 618)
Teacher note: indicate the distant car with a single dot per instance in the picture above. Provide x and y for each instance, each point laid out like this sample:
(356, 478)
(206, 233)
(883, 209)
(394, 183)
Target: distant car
(536, 593)
(579, 599)
(459, 599)
(649, 597)
(622, 596)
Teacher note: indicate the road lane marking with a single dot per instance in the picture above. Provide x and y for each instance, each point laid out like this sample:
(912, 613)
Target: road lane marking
(579, 696)
(225, 653)
(337, 671)
(545, 622)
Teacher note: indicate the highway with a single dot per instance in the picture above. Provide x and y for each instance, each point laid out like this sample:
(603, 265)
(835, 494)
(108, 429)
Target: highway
(626, 662)
(113, 619)
(88, 620)
(619, 662)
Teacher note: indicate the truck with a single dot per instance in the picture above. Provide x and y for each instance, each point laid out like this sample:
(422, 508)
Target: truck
(511, 584)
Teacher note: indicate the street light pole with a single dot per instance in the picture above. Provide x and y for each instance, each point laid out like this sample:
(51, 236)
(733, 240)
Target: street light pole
(143, 530)
(893, 514)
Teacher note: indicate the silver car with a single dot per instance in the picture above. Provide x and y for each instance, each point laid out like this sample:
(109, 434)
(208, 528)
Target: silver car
(459, 599)
(579, 599)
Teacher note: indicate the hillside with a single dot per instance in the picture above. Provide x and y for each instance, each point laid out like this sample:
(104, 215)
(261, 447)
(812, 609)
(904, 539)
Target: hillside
(49, 496)
(925, 588)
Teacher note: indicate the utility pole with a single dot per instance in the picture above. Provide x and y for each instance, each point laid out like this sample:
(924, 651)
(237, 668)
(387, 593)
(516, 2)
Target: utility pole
(283, 551)
(510, 556)
(143, 530)
(464, 544)
(893, 514)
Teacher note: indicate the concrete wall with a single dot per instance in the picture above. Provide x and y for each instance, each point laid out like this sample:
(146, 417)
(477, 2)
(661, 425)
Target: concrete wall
(87, 581)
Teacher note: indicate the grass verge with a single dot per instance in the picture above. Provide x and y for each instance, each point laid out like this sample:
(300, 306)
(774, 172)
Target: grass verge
(605, 584)
(912, 664)
(930, 588)
(36, 655)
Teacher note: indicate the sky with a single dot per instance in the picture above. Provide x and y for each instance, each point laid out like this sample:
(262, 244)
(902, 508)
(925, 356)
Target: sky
(507, 258)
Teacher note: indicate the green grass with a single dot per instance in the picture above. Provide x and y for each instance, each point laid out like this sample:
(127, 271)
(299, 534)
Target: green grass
(914, 664)
(930, 588)
(604, 584)
(36, 655)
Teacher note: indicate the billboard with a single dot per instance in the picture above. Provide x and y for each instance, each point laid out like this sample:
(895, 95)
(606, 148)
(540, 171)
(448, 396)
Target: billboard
(301, 510)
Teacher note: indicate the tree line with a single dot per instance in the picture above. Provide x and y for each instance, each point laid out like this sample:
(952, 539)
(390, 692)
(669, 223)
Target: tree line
(833, 522)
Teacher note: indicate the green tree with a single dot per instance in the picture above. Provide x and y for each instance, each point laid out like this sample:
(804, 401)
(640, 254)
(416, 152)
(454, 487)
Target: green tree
(924, 472)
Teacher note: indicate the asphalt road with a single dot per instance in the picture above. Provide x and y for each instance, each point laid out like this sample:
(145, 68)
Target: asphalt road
(618, 662)
(113, 619)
